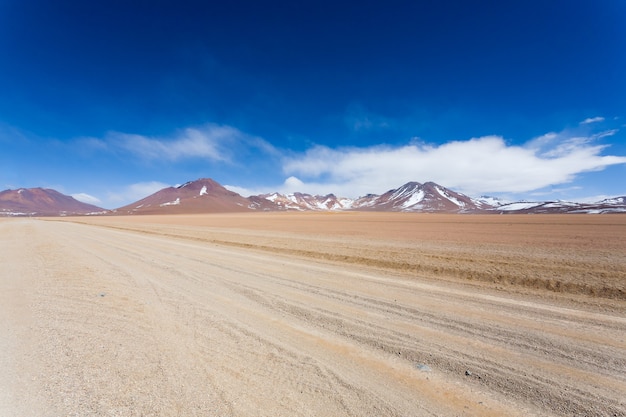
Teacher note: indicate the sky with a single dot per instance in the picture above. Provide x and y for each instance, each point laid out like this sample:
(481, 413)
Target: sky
(112, 101)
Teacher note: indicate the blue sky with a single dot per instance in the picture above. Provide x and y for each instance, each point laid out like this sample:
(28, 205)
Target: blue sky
(111, 101)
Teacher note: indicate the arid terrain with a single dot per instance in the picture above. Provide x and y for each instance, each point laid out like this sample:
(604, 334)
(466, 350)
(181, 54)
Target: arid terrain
(313, 314)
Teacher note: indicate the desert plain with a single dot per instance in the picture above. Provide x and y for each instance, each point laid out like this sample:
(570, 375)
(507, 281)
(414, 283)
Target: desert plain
(313, 314)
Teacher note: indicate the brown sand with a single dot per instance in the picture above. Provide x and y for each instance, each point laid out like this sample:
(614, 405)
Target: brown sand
(284, 314)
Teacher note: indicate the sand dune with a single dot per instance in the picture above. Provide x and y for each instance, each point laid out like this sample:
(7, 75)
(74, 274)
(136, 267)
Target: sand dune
(313, 315)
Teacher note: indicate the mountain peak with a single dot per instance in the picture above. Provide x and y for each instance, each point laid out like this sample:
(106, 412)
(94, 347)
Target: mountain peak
(413, 184)
(199, 183)
(203, 195)
(414, 196)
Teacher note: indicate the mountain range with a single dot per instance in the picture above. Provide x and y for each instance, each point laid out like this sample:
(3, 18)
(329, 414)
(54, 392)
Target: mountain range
(207, 196)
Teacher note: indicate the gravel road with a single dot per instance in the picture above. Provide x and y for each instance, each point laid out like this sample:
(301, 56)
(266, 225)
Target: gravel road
(102, 321)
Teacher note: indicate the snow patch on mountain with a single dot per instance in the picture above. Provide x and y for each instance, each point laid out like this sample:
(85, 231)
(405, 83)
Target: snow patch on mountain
(171, 203)
(450, 197)
(616, 200)
(490, 201)
(522, 205)
(559, 204)
(414, 199)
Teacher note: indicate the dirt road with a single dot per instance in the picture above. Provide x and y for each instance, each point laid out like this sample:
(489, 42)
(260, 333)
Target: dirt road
(113, 320)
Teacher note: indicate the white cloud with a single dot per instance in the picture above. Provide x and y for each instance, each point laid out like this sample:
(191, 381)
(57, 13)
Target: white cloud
(556, 190)
(554, 144)
(289, 186)
(476, 166)
(133, 192)
(596, 198)
(86, 198)
(245, 192)
(211, 141)
(590, 120)
(293, 183)
(190, 143)
(605, 134)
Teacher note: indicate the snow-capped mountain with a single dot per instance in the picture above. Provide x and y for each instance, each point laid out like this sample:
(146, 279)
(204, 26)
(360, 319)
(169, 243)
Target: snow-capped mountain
(42, 202)
(617, 201)
(613, 205)
(200, 196)
(414, 196)
(489, 201)
(429, 198)
(302, 201)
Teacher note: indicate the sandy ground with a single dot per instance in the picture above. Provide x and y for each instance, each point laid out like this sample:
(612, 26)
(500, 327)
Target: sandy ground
(351, 314)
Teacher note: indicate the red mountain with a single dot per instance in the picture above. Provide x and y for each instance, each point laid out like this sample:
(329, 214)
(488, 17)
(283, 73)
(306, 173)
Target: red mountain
(42, 202)
(200, 196)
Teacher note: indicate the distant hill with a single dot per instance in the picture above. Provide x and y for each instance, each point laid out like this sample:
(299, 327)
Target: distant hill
(200, 196)
(42, 202)
(301, 202)
(613, 205)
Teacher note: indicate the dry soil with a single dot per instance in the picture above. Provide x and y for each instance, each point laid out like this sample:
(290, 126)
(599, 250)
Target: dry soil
(334, 314)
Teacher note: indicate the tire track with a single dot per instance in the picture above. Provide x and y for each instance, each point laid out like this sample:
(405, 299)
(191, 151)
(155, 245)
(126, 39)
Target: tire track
(537, 345)
(135, 323)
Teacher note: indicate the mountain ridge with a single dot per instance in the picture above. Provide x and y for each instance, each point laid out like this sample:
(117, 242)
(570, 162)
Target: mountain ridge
(205, 195)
